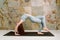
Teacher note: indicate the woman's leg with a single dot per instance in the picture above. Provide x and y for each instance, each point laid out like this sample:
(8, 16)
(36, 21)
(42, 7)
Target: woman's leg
(43, 22)
(36, 20)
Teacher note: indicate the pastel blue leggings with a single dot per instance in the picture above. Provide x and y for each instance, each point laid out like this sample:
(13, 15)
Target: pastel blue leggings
(35, 19)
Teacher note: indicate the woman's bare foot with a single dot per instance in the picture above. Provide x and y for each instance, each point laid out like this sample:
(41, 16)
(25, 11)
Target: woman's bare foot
(46, 29)
(16, 33)
(40, 33)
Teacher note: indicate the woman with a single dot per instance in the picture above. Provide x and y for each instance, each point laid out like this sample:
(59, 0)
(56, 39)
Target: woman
(37, 19)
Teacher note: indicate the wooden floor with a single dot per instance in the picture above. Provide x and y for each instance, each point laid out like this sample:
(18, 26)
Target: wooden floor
(55, 32)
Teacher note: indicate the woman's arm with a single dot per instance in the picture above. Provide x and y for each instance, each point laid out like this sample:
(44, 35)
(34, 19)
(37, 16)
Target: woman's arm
(16, 28)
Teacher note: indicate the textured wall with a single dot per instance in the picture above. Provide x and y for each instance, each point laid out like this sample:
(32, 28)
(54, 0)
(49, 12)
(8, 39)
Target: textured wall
(58, 15)
(12, 10)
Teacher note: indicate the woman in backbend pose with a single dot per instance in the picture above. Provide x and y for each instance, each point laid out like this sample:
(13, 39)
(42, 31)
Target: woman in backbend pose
(36, 19)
